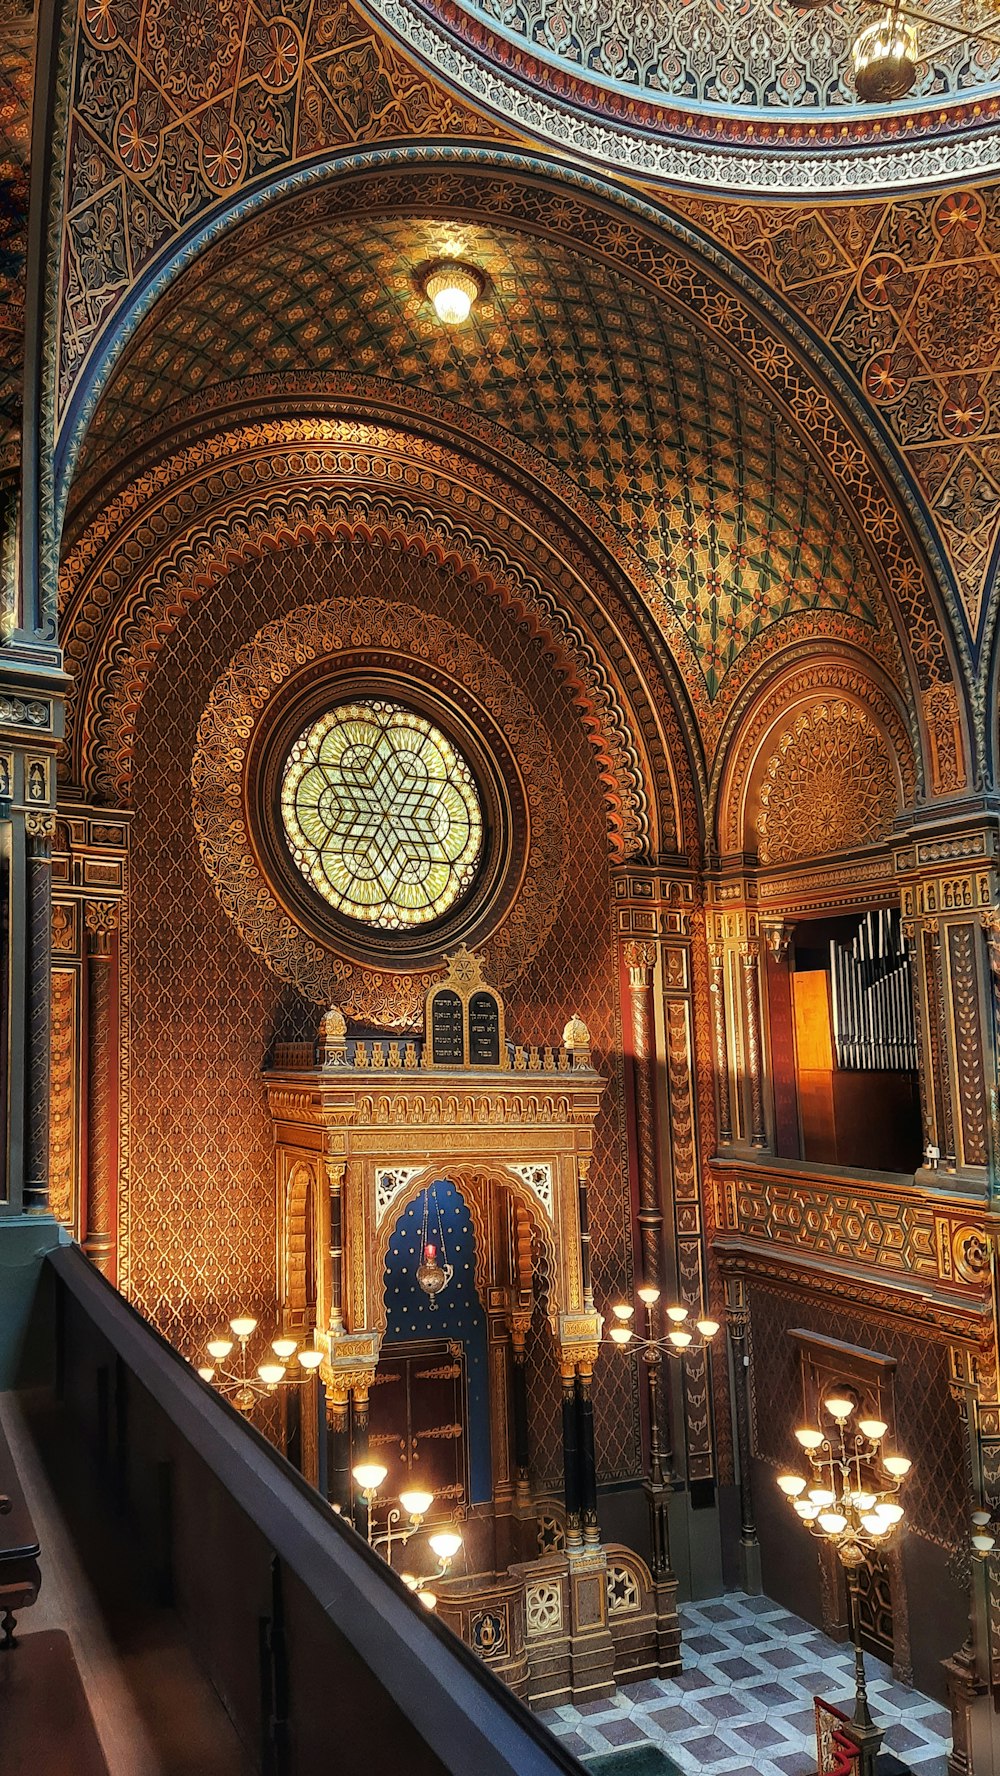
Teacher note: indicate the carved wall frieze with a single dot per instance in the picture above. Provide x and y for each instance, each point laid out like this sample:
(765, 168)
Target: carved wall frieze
(817, 888)
(874, 719)
(176, 530)
(828, 785)
(858, 1224)
(923, 1314)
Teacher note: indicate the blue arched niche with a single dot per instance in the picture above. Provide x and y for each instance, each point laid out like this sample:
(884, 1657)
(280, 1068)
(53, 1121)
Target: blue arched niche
(458, 1314)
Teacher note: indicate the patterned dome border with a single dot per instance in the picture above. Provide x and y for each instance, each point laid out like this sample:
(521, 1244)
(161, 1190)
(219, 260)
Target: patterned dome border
(712, 148)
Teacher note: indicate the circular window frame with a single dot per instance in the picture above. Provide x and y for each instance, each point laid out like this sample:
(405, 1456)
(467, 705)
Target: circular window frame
(315, 804)
(470, 729)
(291, 664)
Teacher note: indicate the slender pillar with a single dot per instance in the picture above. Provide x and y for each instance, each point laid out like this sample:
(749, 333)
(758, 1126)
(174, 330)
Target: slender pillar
(39, 826)
(519, 1414)
(738, 1321)
(338, 1455)
(292, 1397)
(588, 1460)
(582, 1176)
(640, 959)
(862, 1729)
(750, 959)
(717, 993)
(657, 1489)
(102, 1077)
(938, 1031)
(335, 1169)
(950, 890)
(359, 1450)
(571, 1461)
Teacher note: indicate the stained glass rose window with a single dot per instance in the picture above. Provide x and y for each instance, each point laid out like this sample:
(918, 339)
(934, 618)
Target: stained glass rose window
(382, 814)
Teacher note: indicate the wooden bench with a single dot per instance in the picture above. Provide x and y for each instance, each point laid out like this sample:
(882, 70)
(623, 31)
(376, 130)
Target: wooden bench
(20, 1577)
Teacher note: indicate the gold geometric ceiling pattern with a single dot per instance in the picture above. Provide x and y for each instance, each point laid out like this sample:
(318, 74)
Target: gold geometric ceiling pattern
(907, 293)
(649, 416)
(16, 79)
(180, 104)
(176, 109)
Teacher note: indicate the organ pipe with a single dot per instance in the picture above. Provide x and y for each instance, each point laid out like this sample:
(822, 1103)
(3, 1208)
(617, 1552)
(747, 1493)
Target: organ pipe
(873, 1026)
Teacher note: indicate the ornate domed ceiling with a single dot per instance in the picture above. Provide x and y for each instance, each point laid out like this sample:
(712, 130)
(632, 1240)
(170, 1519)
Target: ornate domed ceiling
(757, 96)
(642, 413)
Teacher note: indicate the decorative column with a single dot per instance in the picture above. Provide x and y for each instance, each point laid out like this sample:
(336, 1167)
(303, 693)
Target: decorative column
(359, 1446)
(991, 928)
(733, 936)
(658, 918)
(582, 1177)
(39, 827)
(913, 939)
(519, 1410)
(335, 1169)
(965, 1670)
(101, 920)
(571, 1459)
(338, 1453)
(588, 1459)
(776, 981)
(640, 959)
(950, 888)
(750, 959)
(717, 990)
(937, 1049)
(738, 1324)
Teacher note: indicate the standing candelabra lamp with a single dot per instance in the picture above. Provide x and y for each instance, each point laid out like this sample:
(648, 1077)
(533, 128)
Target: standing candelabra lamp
(853, 1508)
(414, 1505)
(245, 1384)
(679, 1341)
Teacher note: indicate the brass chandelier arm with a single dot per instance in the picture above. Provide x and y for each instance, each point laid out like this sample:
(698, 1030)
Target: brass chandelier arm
(988, 33)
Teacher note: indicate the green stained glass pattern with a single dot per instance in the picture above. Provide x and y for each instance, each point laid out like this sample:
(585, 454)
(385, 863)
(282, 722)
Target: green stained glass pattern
(382, 814)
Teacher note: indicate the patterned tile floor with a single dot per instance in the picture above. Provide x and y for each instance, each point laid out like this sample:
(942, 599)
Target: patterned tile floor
(742, 1705)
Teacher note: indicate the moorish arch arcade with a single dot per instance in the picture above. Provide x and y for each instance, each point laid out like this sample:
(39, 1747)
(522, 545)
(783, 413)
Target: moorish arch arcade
(500, 965)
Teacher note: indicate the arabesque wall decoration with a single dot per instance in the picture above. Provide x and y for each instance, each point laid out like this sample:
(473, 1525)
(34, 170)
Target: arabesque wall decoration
(341, 637)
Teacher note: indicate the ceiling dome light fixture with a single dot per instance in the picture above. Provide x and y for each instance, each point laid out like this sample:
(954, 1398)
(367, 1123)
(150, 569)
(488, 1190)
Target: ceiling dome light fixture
(885, 59)
(453, 288)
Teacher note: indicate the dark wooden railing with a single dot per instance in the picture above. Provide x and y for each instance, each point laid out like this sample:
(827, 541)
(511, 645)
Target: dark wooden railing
(322, 1657)
(19, 1550)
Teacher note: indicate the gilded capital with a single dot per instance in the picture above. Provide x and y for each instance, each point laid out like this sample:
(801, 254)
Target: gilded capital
(40, 823)
(101, 917)
(640, 959)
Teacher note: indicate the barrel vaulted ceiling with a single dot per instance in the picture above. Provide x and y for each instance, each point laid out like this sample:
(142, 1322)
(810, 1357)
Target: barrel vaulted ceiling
(644, 412)
(707, 439)
(176, 106)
